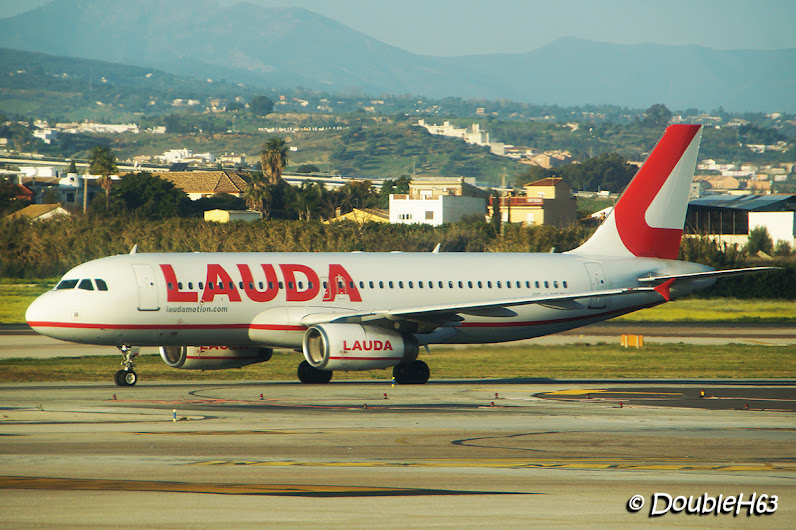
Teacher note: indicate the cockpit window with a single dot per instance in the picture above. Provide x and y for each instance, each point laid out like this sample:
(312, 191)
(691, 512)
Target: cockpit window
(101, 285)
(66, 284)
(86, 285)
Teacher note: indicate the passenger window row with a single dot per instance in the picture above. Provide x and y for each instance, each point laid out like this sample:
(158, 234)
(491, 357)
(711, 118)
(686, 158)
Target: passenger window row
(498, 284)
(450, 284)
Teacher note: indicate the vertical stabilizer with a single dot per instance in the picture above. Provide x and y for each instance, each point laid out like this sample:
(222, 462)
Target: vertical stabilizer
(648, 219)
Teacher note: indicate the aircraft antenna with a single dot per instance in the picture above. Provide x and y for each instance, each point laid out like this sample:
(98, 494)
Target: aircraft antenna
(134, 250)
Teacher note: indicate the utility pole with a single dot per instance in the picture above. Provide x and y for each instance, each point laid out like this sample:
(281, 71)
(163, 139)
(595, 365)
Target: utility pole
(85, 192)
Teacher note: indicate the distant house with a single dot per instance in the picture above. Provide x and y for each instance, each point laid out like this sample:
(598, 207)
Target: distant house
(362, 216)
(433, 201)
(198, 184)
(226, 216)
(40, 212)
(720, 182)
(548, 201)
(24, 194)
(433, 186)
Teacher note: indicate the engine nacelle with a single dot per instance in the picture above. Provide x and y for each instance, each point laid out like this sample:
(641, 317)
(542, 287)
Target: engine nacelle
(352, 347)
(213, 357)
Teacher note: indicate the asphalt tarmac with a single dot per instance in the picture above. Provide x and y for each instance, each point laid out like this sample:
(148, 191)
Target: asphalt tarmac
(449, 453)
(19, 341)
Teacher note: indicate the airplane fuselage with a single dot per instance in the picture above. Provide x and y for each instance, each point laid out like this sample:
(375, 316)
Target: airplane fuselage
(261, 298)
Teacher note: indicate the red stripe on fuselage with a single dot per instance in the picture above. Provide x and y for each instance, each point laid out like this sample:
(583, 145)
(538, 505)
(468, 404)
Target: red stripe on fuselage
(81, 325)
(279, 327)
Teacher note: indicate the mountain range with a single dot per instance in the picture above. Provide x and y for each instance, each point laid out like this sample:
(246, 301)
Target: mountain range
(289, 47)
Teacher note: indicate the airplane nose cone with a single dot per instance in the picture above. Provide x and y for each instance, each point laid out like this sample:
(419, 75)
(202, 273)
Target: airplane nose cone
(36, 312)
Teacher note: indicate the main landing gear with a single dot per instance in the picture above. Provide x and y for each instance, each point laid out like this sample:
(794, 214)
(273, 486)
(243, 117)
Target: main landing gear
(414, 373)
(126, 376)
(310, 375)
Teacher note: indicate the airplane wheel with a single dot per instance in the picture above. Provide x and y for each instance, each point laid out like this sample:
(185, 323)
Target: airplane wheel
(118, 378)
(420, 372)
(414, 373)
(130, 378)
(309, 375)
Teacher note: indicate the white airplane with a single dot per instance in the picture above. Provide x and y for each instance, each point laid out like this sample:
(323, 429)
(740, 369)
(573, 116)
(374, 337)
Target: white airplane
(364, 311)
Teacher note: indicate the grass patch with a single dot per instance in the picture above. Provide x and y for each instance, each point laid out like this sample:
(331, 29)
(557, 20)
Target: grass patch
(555, 362)
(16, 297)
(717, 310)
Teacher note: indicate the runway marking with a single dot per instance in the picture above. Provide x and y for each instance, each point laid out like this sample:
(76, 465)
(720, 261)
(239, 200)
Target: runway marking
(580, 392)
(527, 463)
(184, 401)
(292, 490)
(221, 433)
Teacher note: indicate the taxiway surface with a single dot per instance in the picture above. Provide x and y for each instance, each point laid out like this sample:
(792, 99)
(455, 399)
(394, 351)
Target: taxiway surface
(449, 453)
(19, 341)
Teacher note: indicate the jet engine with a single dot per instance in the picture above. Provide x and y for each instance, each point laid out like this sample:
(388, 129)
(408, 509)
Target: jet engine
(351, 347)
(213, 357)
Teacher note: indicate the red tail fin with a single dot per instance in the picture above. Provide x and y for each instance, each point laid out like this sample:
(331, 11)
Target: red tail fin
(648, 219)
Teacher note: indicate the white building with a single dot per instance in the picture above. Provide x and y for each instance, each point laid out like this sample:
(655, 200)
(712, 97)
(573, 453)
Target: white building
(173, 156)
(47, 135)
(781, 226)
(226, 216)
(93, 127)
(435, 209)
(232, 159)
(473, 135)
(43, 172)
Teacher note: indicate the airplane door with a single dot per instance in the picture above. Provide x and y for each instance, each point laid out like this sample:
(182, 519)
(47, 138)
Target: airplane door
(597, 278)
(147, 288)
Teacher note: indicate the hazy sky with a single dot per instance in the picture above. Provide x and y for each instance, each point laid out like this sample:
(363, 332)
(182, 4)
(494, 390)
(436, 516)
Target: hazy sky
(463, 27)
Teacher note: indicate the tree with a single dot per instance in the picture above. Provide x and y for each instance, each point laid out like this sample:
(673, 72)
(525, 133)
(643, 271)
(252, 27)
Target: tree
(149, 196)
(497, 217)
(307, 199)
(8, 196)
(759, 240)
(657, 116)
(308, 168)
(72, 167)
(261, 106)
(103, 163)
(219, 201)
(235, 105)
(392, 187)
(258, 193)
(273, 158)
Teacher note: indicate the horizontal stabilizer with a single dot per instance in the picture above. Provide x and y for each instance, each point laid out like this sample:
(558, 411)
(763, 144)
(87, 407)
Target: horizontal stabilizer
(707, 274)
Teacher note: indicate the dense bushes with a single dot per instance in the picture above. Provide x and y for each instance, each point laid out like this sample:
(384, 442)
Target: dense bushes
(31, 250)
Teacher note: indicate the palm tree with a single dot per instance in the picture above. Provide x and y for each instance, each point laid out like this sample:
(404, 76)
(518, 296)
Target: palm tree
(103, 163)
(273, 158)
(307, 199)
(257, 193)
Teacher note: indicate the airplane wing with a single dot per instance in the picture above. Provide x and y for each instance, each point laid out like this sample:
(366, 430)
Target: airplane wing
(448, 313)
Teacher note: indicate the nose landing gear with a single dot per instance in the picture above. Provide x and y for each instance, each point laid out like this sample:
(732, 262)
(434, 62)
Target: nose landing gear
(127, 376)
